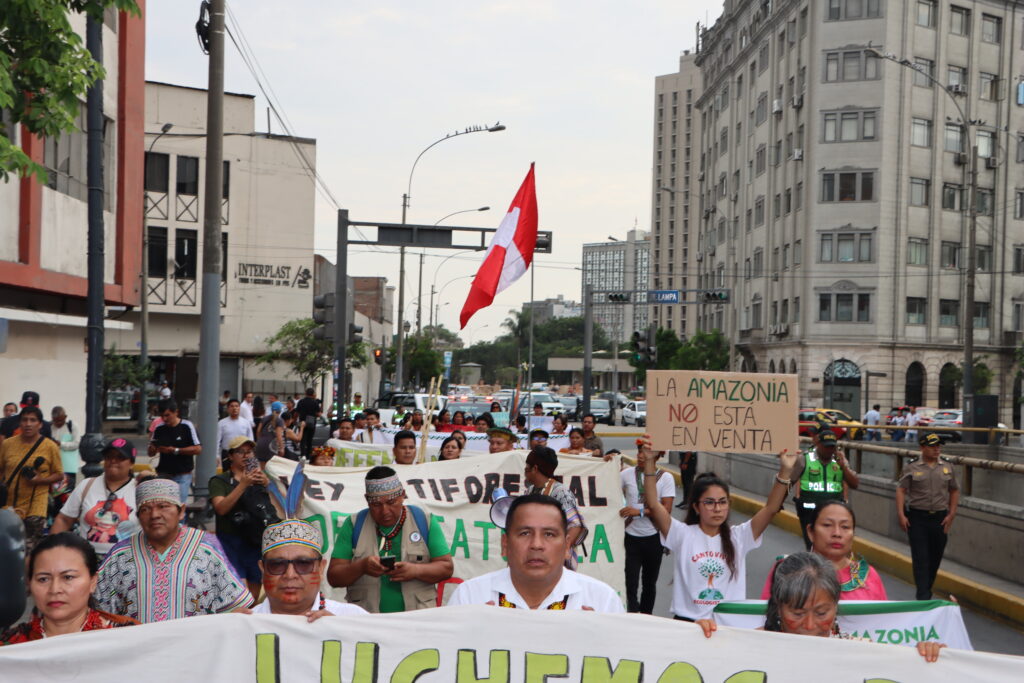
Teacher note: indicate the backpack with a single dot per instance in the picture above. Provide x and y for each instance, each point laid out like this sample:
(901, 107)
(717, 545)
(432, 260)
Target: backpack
(418, 516)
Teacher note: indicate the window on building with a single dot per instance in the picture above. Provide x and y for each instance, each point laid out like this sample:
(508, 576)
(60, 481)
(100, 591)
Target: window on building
(784, 312)
(761, 112)
(956, 76)
(949, 255)
(952, 197)
(981, 314)
(1018, 260)
(991, 28)
(924, 72)
(986, 201)
(921, 132)
(824, 308)
(761, 159)
(224, 256)
(185, 253)
(954, 137)
(846, 247)
(796, 309)
(758, 262)
(949, 312)
(64, 157)
(798, 252)
(747, 269)
(787, 201)
(759, 211)
(917, 251)
(1018, 205)
(188, 175)
(850, 66)
(917, 310)
(926, 13)
(1018, 316)
(959, 20)
(848, 186)
(785, 256)
(226, 191)
(157, 172)
(920, 188)
(156, 256)
(989, 84)
(986, 142)
(983, 258)
(755, 314)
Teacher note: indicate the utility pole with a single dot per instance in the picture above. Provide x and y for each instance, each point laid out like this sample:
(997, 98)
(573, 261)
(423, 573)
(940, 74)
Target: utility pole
(968, 325)
(341, 314)
(419, 300)
(400, 360)
(92, 441)
(209, 324)
(588, 345)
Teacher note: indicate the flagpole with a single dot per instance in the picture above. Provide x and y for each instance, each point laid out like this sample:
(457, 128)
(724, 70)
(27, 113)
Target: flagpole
(529, 369)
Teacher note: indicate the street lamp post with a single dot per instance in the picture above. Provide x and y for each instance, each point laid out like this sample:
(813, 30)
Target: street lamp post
(969, 284)
(400, 361)
(433, 283)
(144, 291)
(419, 297)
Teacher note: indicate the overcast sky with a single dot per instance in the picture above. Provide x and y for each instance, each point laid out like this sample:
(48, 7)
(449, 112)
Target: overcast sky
(376, 82)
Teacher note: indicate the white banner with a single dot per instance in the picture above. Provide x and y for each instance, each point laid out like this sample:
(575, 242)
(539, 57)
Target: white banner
(893, 622)
(464, 644)
(458, 493)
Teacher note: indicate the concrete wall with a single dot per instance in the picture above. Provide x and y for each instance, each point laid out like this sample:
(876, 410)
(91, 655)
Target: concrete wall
(986, 535)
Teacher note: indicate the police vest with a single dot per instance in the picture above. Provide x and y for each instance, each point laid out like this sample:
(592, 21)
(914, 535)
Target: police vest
(820, 482)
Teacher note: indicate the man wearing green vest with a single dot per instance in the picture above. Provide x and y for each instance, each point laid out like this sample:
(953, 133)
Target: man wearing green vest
(390, 555)
(822, 474)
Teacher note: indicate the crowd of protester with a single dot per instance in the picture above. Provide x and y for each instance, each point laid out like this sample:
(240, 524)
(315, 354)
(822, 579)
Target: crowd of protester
(117, 552)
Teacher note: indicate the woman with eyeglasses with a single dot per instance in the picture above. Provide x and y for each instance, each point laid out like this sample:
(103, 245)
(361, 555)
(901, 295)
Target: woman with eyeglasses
(62, 578)
(103, 507)
(709, 554)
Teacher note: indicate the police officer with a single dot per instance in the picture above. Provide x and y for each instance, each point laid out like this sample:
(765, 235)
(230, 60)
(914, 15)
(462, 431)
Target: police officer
(822, 474)
(926, 500)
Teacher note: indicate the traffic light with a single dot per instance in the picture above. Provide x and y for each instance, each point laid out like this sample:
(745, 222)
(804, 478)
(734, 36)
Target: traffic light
(652, 350)
(323, 314)
(641, 350)
(618, 297)
(355, 333)
(379, 356)
(543, 245)
(715, 296)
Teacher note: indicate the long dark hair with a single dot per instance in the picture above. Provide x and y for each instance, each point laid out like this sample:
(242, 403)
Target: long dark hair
(794, 581)
(700, 485)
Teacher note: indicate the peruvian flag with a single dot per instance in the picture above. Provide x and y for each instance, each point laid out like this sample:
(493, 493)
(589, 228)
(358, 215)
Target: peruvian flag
(510, 253)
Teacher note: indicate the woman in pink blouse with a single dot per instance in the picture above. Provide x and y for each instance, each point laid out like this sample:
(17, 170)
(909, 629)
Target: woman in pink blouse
(831, 533)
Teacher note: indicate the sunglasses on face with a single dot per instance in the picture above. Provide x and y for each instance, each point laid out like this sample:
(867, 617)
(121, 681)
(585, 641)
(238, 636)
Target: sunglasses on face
(277, 566)
(109, 502)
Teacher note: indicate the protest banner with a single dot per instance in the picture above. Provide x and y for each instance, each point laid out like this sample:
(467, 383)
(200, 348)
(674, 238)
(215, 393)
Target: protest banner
(475, 643)
(474, 442)
(891, 622)
(722, 412)
(458, 494)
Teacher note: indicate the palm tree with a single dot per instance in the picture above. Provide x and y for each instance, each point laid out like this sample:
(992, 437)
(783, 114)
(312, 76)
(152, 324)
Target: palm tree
(518, 326)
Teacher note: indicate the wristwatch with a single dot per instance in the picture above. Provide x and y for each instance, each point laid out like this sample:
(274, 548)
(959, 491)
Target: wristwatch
(176, 450)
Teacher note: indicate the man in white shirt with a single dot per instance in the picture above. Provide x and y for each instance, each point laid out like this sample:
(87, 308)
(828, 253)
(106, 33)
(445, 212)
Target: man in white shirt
(642, 543)
(373, 433)
(245, 408)
(291, 561)
(536, 542)
(231, 426)
(872, 418)
(913, 419)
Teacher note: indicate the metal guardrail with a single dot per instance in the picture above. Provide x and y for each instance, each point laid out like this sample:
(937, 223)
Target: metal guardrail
(897, 454)
(992, 431)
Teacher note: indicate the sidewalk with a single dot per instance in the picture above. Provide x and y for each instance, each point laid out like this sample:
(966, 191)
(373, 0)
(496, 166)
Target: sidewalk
(977, 589)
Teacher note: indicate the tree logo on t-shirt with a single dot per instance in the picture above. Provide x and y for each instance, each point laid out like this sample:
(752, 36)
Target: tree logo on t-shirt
(711, 569)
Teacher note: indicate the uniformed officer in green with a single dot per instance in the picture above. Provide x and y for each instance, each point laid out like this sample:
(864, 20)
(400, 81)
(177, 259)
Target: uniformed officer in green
(927, 496)
(822, 474)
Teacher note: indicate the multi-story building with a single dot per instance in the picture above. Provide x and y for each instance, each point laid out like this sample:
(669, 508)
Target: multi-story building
(266, 241)
(833, 192)
(619, 265)
(674, 190)
(552, 309)
(44, 225)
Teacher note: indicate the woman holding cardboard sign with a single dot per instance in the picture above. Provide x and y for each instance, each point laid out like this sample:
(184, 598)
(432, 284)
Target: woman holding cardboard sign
(709, 553)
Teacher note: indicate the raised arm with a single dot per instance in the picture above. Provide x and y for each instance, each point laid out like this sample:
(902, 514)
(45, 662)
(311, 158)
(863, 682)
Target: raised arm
(780, 485)
(660, 517)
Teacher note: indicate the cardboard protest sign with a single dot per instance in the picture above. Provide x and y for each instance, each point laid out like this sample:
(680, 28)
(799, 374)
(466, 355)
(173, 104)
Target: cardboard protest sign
(722, 412)
(476, 643)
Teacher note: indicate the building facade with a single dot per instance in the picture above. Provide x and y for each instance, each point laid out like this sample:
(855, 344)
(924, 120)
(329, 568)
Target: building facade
(266, 242)
(552, 309)
(619, 265)
(833, 195)
(44, 226)
(674, 191)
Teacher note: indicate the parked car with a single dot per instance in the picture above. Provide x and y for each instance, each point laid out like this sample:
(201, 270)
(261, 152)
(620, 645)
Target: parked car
(570, 407)
(635, 413)
(549, 404)
(602, 410)
(808, 418)
(853, 429)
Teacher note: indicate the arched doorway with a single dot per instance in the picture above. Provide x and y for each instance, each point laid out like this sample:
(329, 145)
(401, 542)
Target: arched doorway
(949, 380)
(771, 367)
(842, 386)
(914, 391)
(792, 367)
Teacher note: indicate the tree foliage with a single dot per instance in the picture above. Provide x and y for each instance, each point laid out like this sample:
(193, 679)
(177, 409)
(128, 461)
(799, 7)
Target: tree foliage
(124, 371)
(45, 71)
(293, 344)
(703, 351)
